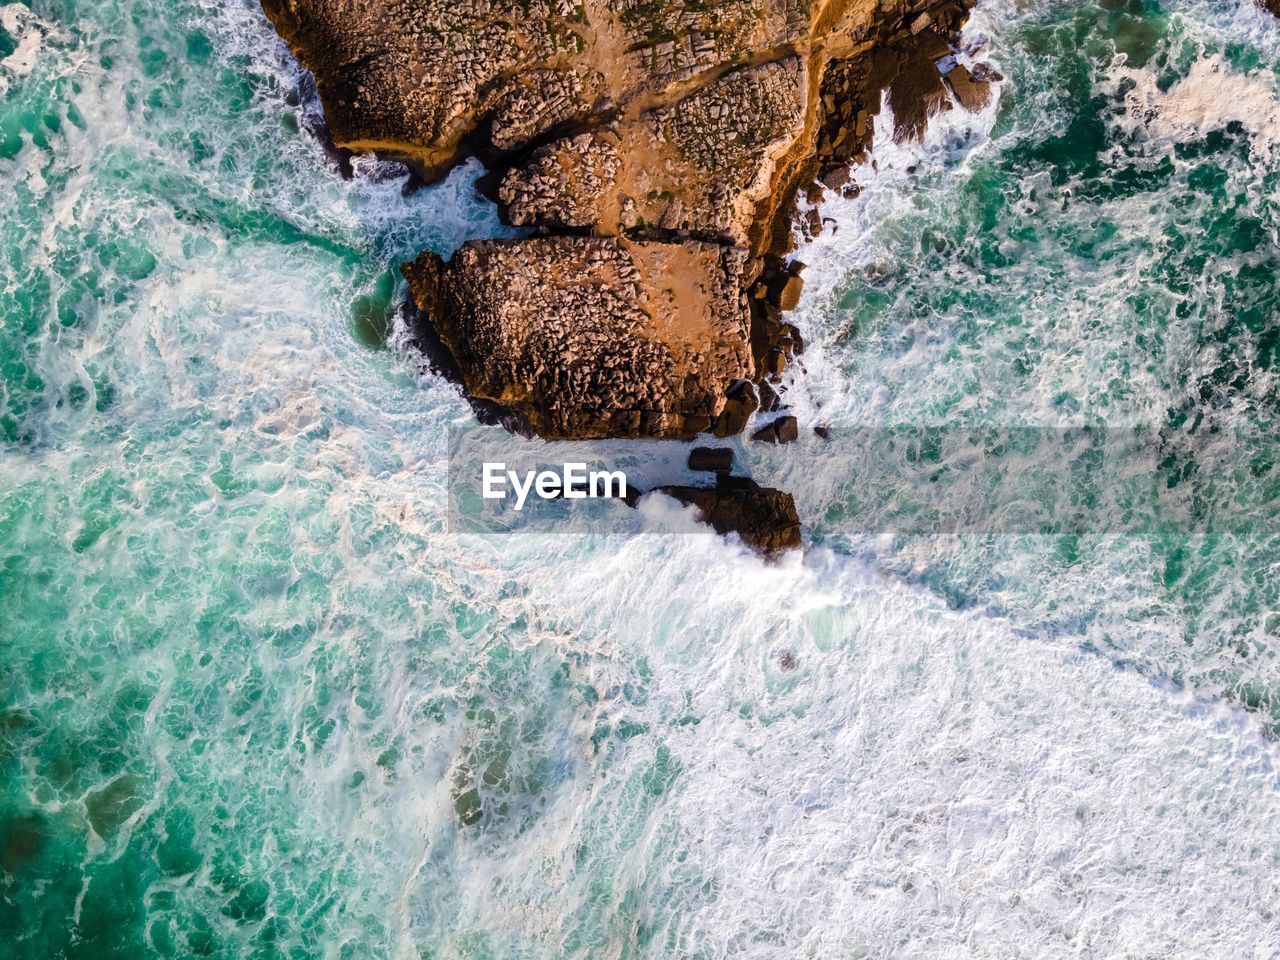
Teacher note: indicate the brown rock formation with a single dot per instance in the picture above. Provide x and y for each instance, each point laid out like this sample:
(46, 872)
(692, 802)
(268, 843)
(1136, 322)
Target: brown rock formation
(656, 148)
(764, 518)
(593, 337)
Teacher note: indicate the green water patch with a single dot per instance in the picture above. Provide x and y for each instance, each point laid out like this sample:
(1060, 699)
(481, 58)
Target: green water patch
(215, 635)
(213, 856)
(505, 775)
(371, 312)
(7, 43)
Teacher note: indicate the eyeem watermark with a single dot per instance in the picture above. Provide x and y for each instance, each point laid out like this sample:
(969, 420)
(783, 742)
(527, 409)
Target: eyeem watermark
(573, 482)
(905, 480)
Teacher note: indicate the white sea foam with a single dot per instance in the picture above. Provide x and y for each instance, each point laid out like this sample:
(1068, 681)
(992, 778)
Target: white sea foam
(925, 783)
(19, 22)
(1244, 22)
(1210, 97)
(891, 181)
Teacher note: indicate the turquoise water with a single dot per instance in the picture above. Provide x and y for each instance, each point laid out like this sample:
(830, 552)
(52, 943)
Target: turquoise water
(257, 701)
(1101, 252)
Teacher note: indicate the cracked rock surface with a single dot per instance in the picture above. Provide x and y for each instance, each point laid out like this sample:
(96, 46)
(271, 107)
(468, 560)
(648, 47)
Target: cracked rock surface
(654, 149)
(593, 336)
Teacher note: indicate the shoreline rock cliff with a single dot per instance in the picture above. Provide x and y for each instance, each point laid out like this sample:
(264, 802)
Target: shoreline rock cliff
(655, 150)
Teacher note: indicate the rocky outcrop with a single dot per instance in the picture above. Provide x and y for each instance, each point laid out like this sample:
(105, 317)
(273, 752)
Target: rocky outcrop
(764, 519)
(655, 148)
(592, 337)
(654, 151)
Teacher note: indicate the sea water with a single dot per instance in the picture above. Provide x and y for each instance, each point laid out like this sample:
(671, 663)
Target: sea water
(258, 699)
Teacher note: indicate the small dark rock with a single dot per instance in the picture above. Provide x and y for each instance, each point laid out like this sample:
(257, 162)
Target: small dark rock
(714, 459)
(985, 73)
(813, 222)
(791, 341)
(972, 93)
(769, 400)
(783, 430)
(787, 660)
(836, 179)
(775, 362)
(915, 95)
(931, 45)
